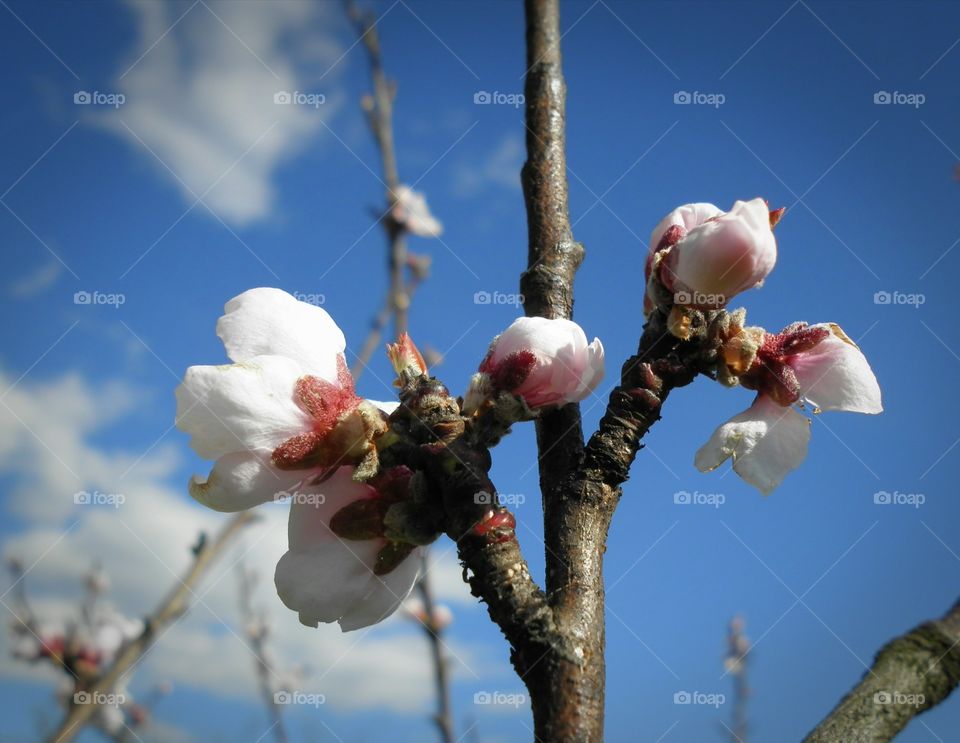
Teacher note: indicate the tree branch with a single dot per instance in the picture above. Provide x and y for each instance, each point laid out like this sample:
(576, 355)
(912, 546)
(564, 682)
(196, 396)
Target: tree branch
(256, 631)
(375, 336)
(173, 606)
(444, 716)
(911, 674)
(379, 108)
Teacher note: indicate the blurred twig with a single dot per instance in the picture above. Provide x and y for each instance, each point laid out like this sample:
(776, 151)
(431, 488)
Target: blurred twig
(256, 630)
(375, 336)
(379, 110)
(171, 608)
(735, 662)
(434, 632)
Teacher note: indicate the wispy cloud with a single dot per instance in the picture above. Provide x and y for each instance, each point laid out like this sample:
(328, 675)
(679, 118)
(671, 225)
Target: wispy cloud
(34, 283)
(200, 87)
(498, 168)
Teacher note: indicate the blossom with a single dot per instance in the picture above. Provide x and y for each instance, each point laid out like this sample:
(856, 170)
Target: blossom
(285, 411)
(705, 256)
(284, 422)
(544, 361)
(442, 616)
(110, 632)
(410, 210)
(818, 364)
(358, 579)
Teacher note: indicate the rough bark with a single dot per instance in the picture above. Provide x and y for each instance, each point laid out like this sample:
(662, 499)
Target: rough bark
(579, 485)
(911, 674)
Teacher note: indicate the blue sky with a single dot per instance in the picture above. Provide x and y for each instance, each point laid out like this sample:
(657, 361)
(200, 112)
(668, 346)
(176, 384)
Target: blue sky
(198, 187)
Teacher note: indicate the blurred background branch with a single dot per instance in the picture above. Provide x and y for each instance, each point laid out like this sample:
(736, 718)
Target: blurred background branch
(404, 212)
(175, 605)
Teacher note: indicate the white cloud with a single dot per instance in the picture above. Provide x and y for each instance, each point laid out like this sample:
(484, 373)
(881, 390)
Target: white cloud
(35, 282)
(200, 95)
(500, 168)
(48, 448)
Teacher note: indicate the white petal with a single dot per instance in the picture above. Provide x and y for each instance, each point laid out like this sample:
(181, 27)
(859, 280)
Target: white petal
(328, 579)
(542, 335)
(835, 375)
(386, 407)
(411, 210)
(766, 441)
(240, 406)
(270, 322)
(384, 595)
(242, 480)
(687, 216)
(595, 369)
(324, 583)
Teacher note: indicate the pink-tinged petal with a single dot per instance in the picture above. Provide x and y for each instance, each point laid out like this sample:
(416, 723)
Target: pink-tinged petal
(766, 442)
(686, 217)
(328, 579)
(242, 480)
(545, 361)
(593, 373)
(270, 322)
(726, 255)
(835, 375)
(240, 406)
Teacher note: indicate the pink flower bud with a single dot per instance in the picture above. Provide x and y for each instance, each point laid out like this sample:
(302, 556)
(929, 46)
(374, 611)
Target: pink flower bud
(713, 255)
(406, 358)
(546, 362)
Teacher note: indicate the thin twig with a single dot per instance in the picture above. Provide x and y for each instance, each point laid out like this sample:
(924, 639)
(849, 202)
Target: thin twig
(256, 631)
(173, 606)
(434, 633)
(379, 110)
(379, 325)
(738, 648)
